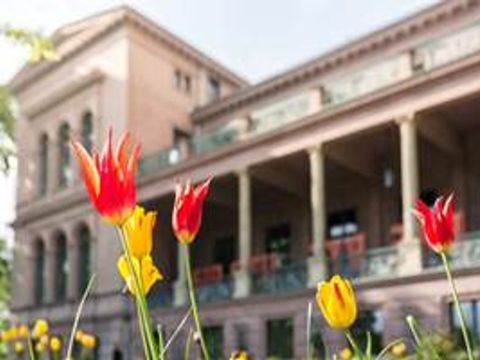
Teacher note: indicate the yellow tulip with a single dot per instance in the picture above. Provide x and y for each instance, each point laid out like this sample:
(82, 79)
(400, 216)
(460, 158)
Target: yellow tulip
(23, 331)
(13, 333)
(40, 328)
(88, 341)
(336, 300)
(55, 344)
(78, 335)
(346, 354)
(399, 349)
(40, 347)
(149, 273)
(18, 347)
(4, 336)
(138, 230)
(239, 355)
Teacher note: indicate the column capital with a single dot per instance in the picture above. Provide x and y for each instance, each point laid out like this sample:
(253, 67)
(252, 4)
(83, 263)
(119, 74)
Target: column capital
(406, 118)
(245, 171)
(315, 149)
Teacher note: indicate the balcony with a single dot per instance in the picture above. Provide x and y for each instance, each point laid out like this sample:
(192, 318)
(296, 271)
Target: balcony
(159, 160)
(281, 279)
(332, 92)
(465, 252)
(212, 284)
(210, 141)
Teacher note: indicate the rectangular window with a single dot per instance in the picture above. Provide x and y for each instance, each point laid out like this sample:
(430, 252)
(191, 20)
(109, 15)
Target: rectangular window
(213, 89)
(342, 224)
(471, 312)
(214, 340)
(178, 80)
(280, 339)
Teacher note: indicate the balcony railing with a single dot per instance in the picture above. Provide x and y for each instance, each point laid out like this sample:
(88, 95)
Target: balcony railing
(158, 160)
(288, 277)
(465, 252)
(206, 142)
(371, 263)
(160, 296)
(219, 290)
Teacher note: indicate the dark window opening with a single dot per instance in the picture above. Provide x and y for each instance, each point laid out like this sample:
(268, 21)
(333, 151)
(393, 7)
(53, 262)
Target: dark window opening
(84, 259)
(64, 169)
(213, 89)
(43, 164)
(225, 252)
(61, 268)
(369, 321)
(214, 340)
(280, 338)
(39, 271)
(278, 239)
(87, 130)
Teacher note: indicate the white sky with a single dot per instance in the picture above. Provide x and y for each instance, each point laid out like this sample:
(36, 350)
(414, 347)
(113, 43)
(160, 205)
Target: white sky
(254, 38)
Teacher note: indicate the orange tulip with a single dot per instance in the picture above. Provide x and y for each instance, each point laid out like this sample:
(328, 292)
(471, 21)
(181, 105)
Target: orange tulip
(187, 210)
(110, 178)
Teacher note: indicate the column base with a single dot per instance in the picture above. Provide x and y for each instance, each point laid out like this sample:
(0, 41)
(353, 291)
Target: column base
(179, 293)
(242, 283)
(410, 258)
(316, 270)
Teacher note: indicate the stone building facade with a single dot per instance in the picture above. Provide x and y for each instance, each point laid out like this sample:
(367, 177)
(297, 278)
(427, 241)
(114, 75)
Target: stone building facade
(316, 171)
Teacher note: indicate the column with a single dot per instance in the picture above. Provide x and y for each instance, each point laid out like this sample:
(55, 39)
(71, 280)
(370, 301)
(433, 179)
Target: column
(317, 262)
(180, 286)
(410, 251)
(242, 276)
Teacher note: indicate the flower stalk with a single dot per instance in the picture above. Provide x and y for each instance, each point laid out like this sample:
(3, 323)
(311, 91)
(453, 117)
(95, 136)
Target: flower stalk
(144, 319)
(456, 301)
(193, 301)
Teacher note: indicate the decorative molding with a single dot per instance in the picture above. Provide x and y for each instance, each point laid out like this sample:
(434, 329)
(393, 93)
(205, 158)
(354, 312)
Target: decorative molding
(63, 93)
(32, 72)
(348, 53)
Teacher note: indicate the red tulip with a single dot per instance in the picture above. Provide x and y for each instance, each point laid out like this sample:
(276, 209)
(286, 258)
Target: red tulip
(437, 223)
(187, 210)
(110, 178)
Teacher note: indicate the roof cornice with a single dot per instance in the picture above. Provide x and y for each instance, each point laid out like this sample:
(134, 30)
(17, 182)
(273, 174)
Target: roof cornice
(32, 72)
(63, 93)
(347, 53)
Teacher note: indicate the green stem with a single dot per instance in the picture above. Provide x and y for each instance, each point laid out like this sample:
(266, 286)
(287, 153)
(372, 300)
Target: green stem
(161, 340)
(453, 288)
(352, 342)
(139, 296)
(31, 353)
(142, 331)
(193, 301)
(186, 354)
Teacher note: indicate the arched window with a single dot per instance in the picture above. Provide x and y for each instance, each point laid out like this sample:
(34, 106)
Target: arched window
(61, 268)
(83, 258)
(43, 164)
(39, 253)
(64, 168)
(87, 130)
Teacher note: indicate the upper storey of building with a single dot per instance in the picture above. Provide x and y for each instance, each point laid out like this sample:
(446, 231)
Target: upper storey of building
(118, 69)
(432, 38)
